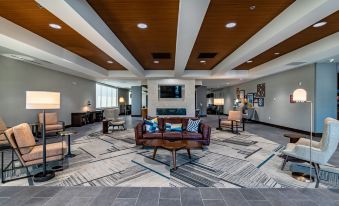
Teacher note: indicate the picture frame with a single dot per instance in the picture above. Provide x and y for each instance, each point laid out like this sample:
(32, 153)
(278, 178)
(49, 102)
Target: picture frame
(261, 102)
(261, 90)
(250, 99)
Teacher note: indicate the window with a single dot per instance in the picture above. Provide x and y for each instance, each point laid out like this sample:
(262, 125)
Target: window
(106, 96)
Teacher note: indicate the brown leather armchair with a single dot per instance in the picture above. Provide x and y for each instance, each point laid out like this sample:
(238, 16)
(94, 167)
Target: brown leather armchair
(234, 120)
(53, 125)
(203, 135)
(3, 127)
(28, 152)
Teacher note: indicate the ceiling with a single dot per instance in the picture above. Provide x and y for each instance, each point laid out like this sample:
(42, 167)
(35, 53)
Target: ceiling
(161, 17)
(250, 16)
(96, 32)
(303, 38)
(29, 15)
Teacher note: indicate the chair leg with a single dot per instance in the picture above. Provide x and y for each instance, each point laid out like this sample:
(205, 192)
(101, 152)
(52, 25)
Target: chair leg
(317, 172)
(284, 163)
(2, 167)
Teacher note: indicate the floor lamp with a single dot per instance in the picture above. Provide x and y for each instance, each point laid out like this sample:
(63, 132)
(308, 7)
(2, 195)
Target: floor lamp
(43, 100)
(218, 102)
(300, 96)
(122, 101)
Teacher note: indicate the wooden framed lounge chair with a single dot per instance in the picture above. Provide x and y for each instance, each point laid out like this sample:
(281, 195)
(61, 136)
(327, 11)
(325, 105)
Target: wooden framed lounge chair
(28, 152)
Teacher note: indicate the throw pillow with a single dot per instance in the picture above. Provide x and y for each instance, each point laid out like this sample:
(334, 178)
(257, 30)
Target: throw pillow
(152, 125)
(193, 125)
(176, 127)
(168, 127)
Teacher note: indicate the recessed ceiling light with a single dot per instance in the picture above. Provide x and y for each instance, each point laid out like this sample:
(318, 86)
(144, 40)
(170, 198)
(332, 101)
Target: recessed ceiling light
(142, 26)
(110, 62)
(320, 24)
(156, 62)
(231, 25)
(276, 53)
(331, 60)
(252, 7)
(249, 61)
(202, 61)
(55, 26)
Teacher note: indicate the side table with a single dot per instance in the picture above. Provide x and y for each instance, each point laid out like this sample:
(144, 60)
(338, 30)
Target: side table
(104, 126)
(294, 137)
(68, 134)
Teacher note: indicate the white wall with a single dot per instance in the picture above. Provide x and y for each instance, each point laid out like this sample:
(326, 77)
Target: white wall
(278, 110)
(17, 77)
(187, 102)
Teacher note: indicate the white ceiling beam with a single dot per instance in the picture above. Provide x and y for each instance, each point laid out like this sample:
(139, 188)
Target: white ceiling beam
(300, 15)
(190, 18)
(80, 16)
(18, 39)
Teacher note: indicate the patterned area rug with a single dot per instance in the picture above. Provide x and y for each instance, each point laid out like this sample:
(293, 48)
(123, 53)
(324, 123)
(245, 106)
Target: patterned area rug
(231, 160)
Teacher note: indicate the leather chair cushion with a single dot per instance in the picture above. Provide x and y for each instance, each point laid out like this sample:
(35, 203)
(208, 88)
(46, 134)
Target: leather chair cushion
(50, 118)
(152, 135)
(2, 137)
(53, 149)
(24, 138)
(191, 135)
(54, 127)
(172, 135)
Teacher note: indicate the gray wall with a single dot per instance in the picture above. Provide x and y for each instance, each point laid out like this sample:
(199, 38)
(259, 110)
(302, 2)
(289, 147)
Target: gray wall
(17, 77)
(325, 93)
(278, 110)
(123, 93)
(136, 100)
(201, 100)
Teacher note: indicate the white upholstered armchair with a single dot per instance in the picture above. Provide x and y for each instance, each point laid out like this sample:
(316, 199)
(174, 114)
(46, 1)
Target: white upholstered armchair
(112, 116)
(321, 151)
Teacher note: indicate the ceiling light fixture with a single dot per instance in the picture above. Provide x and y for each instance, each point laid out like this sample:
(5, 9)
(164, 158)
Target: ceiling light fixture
(230, 25)
(331, 60)
(202, 61)
(249, 61)
(252, 7)
(276, 53)
(55, 26)
(110, 62)
(142, 26)
(320, 24)
(156, 62)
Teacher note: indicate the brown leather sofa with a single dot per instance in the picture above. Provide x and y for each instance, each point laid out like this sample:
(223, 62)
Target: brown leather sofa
(202, 136)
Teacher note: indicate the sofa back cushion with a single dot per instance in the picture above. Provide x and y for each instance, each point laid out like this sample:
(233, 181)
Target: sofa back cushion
(24, 138)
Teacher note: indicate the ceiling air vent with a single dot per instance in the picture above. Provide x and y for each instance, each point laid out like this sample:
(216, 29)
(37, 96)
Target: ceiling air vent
(295, 63)
(161, 55)
(206, 55)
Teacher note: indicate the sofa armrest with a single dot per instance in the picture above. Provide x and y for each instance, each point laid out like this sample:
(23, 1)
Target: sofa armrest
(138, 130)
(206, 131)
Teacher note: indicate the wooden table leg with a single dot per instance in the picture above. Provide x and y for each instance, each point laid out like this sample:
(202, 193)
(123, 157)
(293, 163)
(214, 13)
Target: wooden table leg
(189, 153)
(174, 154)
(155, 152)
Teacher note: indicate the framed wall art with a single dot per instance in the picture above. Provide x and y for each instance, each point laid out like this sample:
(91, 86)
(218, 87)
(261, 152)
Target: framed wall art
(261, 90)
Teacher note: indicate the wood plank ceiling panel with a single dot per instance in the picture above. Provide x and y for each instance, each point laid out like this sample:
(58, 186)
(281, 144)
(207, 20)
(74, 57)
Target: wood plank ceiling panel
(122, 16)
(214, 37)
(29, 15)
(303, 38)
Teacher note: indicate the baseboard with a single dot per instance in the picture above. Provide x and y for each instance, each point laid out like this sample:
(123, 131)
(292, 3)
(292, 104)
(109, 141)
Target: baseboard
(288, 128)
(135, 115)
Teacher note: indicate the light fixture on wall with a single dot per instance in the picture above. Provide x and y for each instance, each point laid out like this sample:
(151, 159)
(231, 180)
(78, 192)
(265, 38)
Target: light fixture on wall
(43, 100)
(300, 96)
(218, 102)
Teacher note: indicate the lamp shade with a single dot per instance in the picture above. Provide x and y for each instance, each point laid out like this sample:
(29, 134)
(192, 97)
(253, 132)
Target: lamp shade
(300, 95)
(219, 101)
(121, 99)
(42, 100)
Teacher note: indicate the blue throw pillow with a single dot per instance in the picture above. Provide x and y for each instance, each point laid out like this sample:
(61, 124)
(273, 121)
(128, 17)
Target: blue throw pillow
(193, 125)
(152, 125)
(173, 127)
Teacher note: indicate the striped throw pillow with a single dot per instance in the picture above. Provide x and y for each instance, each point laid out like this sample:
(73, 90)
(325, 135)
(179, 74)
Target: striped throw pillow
(193, 125)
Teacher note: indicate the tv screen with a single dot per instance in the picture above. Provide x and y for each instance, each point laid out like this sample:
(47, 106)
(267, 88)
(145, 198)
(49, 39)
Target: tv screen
(170, 91)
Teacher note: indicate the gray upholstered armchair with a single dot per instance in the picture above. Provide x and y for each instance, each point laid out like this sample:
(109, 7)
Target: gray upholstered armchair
(112, 116)
(321, 151)
(53, 125)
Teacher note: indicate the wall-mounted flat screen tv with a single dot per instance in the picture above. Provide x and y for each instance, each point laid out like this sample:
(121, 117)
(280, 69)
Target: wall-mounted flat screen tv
(170, 91)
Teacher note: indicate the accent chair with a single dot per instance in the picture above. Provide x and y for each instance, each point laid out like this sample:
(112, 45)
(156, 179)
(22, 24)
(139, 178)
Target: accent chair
(234, 120)
(53, 125)
(112, 116)
(321, 151)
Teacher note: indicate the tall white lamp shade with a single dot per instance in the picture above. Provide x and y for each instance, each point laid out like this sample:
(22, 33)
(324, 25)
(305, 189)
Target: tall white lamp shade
(42, 100)
(121, 100)
(300, 95)
(218, 101)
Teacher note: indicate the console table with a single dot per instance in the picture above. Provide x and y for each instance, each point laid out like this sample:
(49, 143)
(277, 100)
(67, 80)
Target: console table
(82, 118)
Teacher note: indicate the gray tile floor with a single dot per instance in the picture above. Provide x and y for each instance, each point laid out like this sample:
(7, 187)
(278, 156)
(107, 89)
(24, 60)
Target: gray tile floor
(120, 196)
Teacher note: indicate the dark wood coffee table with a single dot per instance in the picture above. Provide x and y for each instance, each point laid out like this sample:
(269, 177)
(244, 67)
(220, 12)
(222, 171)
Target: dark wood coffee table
(294, 137)
(172, 146)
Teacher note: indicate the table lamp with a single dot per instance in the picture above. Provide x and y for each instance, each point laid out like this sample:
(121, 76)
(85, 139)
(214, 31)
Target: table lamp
(218, 102)
(300, 96)
(122, 101)
(43, 100)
